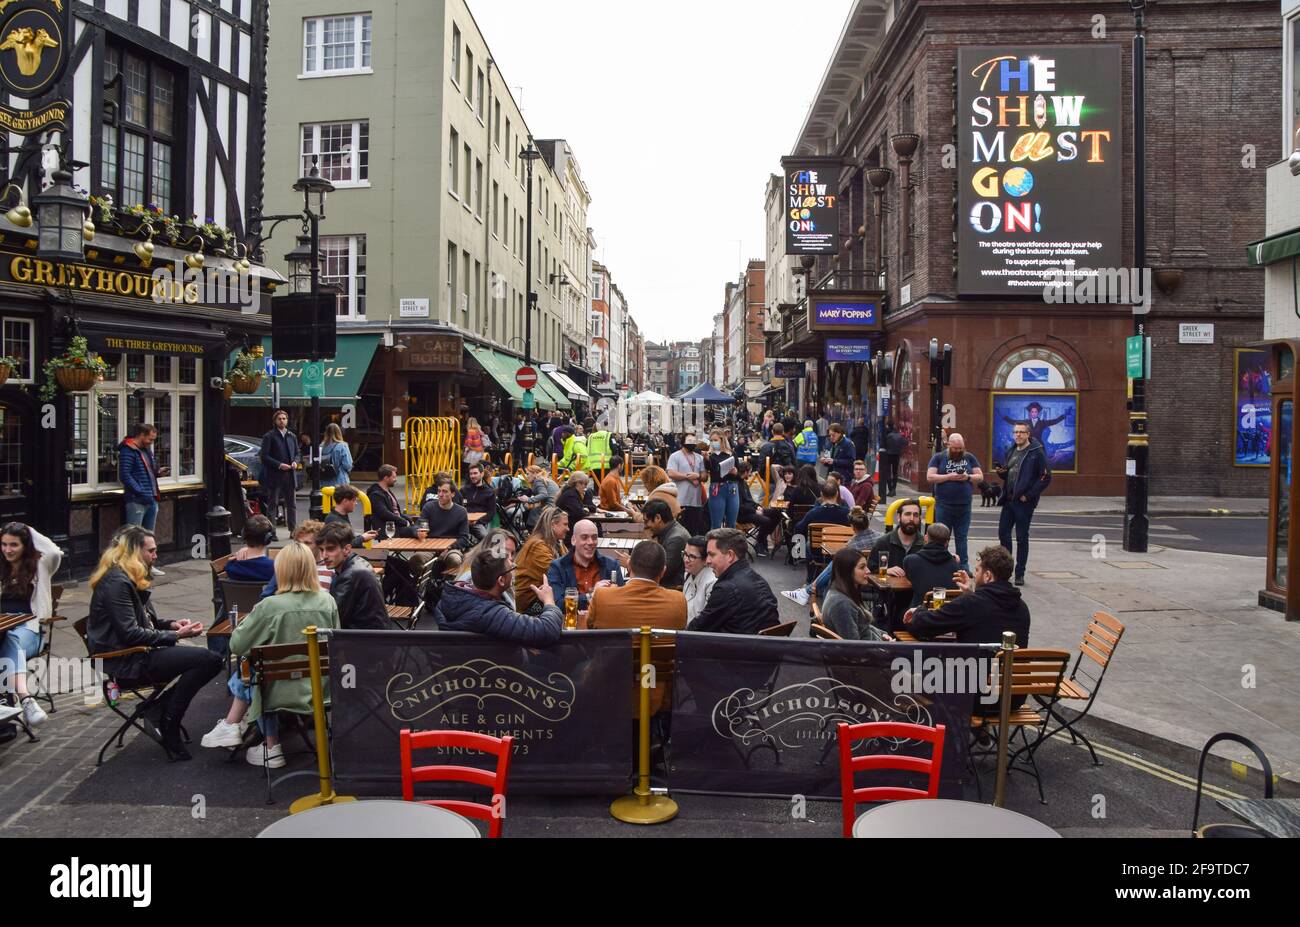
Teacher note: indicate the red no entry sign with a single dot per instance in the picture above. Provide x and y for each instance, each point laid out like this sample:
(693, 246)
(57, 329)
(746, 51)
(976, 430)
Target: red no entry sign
(526, 377)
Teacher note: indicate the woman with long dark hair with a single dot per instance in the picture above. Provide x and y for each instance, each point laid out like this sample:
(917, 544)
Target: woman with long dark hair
(844, 612)
(29, 561)
(807, 487)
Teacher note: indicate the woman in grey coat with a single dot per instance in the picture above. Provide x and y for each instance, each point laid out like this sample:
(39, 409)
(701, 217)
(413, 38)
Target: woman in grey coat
(844, 611)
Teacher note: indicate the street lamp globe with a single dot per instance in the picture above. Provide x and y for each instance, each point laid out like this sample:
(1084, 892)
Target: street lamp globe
(61, 213)
(313, 185)
(300, 266)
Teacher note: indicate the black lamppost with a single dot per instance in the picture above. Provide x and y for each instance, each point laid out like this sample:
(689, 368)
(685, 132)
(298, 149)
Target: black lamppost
(529, 155)
(1137, 523)
(304, 273)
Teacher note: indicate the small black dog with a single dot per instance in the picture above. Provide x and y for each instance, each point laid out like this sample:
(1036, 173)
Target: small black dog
(990, 492)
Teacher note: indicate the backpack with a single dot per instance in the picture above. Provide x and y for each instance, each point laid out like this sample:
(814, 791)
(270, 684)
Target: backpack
(782, 454)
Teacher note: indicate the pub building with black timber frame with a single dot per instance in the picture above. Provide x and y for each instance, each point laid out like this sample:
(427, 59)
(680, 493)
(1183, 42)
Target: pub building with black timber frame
(168, 108)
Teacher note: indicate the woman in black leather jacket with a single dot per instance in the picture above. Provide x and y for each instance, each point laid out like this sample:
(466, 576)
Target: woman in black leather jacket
(123, 618)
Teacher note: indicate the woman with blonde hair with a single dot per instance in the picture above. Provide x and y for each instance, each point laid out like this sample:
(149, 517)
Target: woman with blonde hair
(298, 603)
(544, 545)
(122, 618)
(658, 486)
(724, 481)
(335, 458)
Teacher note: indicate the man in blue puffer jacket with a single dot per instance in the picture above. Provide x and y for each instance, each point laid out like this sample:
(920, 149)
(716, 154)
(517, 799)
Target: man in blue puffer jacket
(477, 607)
(139, 474)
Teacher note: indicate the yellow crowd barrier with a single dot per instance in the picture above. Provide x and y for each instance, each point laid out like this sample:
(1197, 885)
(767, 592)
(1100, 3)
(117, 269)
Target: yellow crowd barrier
(432, 446)
(927, 509)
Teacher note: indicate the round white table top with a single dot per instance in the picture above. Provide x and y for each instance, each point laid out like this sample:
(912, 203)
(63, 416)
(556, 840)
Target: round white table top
(944, 818)
(373, 819)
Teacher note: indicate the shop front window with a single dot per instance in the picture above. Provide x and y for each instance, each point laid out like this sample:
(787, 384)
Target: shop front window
(11, 455)
(1283, 527)
(160, 390)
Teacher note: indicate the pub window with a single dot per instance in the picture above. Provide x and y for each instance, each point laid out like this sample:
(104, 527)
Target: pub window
(345, 268)
(161, 389)
(18, 345)
(139, 151)
(343, 148)
(336, 44)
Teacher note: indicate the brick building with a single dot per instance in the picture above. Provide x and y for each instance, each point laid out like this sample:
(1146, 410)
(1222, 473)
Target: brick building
(1212, 98)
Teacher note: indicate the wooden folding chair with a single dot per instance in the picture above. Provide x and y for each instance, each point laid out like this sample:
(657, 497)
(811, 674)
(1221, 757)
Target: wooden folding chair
(41, 691)
(1033, 672)
(823, 633)
(279, 663)
(780, 630)
(817, 559)
(1100, 639)
(147, 695)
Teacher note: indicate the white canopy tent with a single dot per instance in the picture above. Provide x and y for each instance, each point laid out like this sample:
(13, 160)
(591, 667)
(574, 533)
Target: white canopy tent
(647, 413)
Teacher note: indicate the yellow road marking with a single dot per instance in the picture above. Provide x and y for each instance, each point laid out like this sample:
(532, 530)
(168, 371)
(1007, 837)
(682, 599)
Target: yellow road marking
(1160, 772)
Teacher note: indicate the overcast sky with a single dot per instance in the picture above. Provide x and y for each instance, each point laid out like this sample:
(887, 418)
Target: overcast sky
(677, 112)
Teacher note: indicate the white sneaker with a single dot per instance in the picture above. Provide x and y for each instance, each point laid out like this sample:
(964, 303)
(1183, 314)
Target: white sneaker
(274, 756)
(157, 572)
(798, 596)
(33, 714)
(224, 735)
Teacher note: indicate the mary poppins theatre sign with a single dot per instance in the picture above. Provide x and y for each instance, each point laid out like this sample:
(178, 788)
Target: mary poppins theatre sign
(1040, 175)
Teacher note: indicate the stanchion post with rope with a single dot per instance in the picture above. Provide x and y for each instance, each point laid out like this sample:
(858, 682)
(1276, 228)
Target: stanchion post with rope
(1006, 660)
(326, 796)
(642, 806)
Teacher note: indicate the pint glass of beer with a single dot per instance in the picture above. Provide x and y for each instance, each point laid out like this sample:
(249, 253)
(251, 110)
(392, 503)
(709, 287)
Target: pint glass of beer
(570, 609)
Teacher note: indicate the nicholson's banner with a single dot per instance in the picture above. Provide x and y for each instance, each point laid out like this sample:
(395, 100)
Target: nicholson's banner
(758, 716)
(1039, 180)
(568, 707)
(812, 219)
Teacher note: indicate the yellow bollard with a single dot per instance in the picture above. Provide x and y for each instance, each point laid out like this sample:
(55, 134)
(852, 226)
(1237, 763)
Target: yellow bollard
(642, 806)
(326, 796)
(1007, 659)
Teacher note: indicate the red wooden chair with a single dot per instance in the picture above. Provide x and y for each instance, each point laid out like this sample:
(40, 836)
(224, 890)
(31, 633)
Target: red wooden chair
(501, 748)
(848, 735)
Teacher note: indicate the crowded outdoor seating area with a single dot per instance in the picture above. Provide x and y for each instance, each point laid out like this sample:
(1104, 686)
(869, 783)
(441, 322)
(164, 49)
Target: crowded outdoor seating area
(596, 628)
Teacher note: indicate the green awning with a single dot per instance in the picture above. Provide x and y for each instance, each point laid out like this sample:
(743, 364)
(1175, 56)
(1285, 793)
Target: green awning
(1272, 250)
(343, 375)
(503, 369)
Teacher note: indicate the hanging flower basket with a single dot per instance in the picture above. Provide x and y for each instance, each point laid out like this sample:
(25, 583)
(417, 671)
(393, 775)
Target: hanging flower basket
(7, 366)
(245, 385)
(76, 379)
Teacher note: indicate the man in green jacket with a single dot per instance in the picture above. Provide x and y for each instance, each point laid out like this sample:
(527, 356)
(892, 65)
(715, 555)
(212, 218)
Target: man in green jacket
(599, 448)
(575, 452)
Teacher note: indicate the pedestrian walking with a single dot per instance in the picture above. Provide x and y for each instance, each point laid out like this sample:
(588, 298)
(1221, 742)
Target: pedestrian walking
(278, 481)
(1025, 477)
(335, 458)
(954, 474)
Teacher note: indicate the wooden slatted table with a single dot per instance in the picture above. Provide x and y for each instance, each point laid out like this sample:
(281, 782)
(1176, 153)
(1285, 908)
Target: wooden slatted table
(415, 546)
(476, 517)
(890, 583)
(14, 620)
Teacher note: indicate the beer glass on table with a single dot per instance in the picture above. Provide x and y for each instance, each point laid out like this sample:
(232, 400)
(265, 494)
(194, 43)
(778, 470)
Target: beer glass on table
(884, 565)
(390, 529)
(570, 609)
(939, 596)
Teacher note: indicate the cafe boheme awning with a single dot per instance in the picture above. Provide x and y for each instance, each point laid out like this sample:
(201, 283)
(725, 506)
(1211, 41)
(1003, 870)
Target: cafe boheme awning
(503, 369)
(343, 375)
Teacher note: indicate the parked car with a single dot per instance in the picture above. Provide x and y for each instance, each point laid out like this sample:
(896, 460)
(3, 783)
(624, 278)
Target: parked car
(247, 451)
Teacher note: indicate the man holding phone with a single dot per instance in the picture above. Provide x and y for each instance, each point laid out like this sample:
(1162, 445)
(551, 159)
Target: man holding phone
(953, 475)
